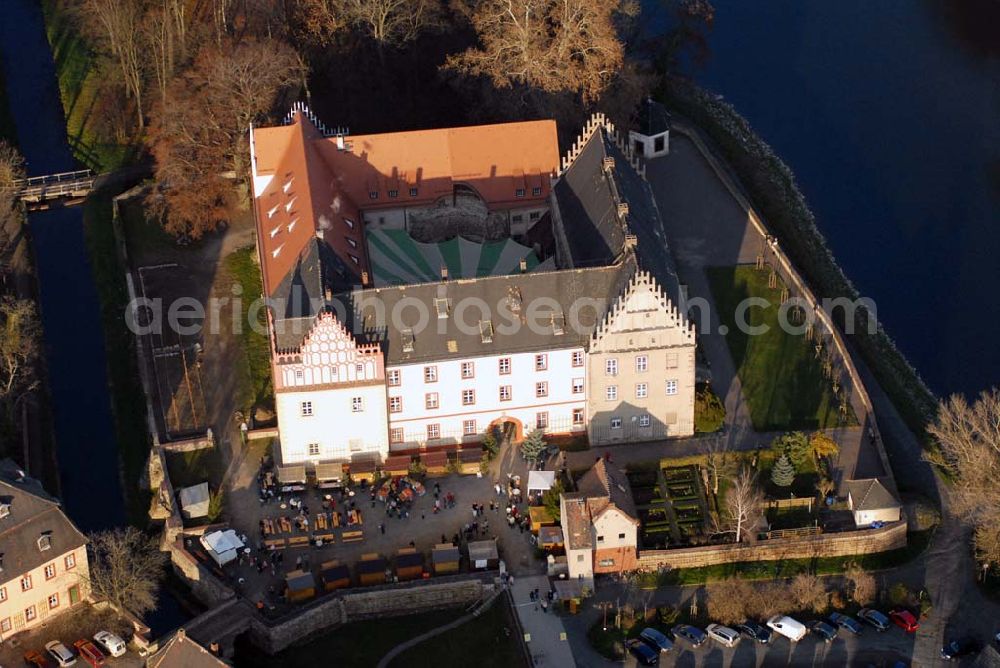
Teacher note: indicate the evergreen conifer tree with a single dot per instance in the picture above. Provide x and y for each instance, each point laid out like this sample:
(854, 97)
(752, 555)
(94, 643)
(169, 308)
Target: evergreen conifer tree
(783, 473)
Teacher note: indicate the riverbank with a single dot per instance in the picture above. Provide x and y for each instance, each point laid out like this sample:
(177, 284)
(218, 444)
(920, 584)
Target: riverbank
(771, 187)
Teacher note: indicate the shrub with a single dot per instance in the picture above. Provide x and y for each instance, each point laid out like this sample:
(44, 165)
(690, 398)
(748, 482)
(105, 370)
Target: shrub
(795, 445)
(837, 600)
(417, 469)
(900, 594)
(490, 446)
(727, 600)
(668, 615)
(808, 593)
(709, 411)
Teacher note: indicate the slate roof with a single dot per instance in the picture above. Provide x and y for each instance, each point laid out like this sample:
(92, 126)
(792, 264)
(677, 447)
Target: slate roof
(654, 119)
(588, 197)
(870, 494)
(606, 484)
(541, 295)
(33, 513)
(180, 651)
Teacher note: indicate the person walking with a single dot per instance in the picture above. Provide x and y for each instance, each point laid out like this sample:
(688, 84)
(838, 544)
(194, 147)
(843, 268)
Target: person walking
(381, 527)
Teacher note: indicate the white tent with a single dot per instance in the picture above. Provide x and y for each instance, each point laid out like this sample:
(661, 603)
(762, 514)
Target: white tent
(224, 546)
(540, 481)
(195, 501)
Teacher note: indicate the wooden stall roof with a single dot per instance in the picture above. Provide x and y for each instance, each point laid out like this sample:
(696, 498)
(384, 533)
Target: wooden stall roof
(368, 566)
(434, 458)
(470, 455)
(300, 580)
(408, 558)
(397, 462)
(363, 466)
(550, 536)
(292, 473)
(335, 571)
(329, 472)
(444, 553)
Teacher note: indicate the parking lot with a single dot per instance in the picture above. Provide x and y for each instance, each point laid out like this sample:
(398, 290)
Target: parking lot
(82, 622)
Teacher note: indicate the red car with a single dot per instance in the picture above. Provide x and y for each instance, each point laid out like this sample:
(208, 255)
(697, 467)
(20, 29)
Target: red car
(904, 619)
(35, 659)
(88, 652)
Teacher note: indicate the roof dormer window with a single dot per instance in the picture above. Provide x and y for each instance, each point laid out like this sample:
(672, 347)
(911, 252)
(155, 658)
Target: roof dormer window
(4, 510)
(45, 541)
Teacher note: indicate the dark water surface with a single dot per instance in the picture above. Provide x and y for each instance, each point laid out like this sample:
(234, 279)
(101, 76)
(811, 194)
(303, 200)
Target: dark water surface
(888, 113)
(71, 315)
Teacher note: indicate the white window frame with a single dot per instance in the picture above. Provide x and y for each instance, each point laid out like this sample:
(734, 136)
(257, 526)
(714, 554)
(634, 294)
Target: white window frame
(357, 404)
(641, 363)
(578, 412)
(468, 370)
(396, 404)
(611, 393)
(671, 387)
(611, 367)
(577, 358)
(26, 583)
(469, 428)
(641, 390)
(430, 374)
(433, 431)
(616, 422)
(313, 449)
(542, 420)
(395, 378)
(468, 397)
(578, 386)
(306, 408)
(396, 435)
(541, 389)
(541, 362)
(432, 401)
(508, 391)
(644, 420)
(504, 366)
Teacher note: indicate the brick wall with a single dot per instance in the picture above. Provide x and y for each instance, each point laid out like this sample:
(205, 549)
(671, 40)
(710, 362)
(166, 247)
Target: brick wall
(847, 543)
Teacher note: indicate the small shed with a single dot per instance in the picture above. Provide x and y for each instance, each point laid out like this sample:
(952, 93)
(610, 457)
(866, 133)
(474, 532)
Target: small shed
(445, 558)
(870, 502)
(334, 575)
(397, 466)
(483, 555)
(363, 467)
(222, 546)
(470, 459)
(435, 462)
(652, 138)
(540, 517)
(371, 569)
(409, 564)
(195, 501)
(550, 538)
(299, 586)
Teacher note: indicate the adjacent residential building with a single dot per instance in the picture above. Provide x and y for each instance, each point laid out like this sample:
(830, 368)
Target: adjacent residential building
(600, 524)
(43, 556)
(425, 287)
(870, 502)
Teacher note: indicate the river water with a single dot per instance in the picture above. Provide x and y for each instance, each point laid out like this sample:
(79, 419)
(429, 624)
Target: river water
(888, 113)
(71, 317)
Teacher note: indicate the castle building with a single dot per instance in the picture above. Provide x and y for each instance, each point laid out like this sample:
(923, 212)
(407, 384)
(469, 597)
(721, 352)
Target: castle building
(427, 286)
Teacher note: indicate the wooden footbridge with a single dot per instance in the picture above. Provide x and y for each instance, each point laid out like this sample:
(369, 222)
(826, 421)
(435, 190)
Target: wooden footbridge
(65, 185)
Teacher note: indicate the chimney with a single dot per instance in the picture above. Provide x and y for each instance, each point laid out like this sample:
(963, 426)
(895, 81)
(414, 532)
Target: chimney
(364, 278)
(608, 163)
(340, 142)
(631, 241)
(444, 273)
(328, 293)
(524, 265)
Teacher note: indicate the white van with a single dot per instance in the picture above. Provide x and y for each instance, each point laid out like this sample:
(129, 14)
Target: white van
(723, 635)
(110, 643)
(787, 627)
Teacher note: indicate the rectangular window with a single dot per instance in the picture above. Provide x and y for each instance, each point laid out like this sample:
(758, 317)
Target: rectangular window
(504, 365)
(621, 536)
(517, 218)
(393, 194)
(505, 393)
(611, 367)
(396, 435)
(536, 191)
(579, 558)
(600, 539)
(577, 358)
(641, 363)
(53, 601)
(671, 387)
(29, 613)
(306, 409)
(577, 416)
(616, 423)
(431, 400)
(413, 192)
(468, 397)
(671, 360)
(372, 194)
(394, 378)
(3, 594)
(50, 571)
(541, 389)
(395, 404)
(541, 362)
(541, 420)
(5, 625)
(534, 215)
(357, 404)
(70, 561)
(519, 192)
(641, 390)
(578, 386)
(644, 420)
(430, 374)
(468, 370)
(26, 583)
(611, 393)
(313, 449)
(469, 427)
(433, 431)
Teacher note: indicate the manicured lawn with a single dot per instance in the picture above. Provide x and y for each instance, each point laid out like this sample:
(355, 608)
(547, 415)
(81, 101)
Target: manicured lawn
(782, 379)
(359, 644)
(256, 390)
(491, 639)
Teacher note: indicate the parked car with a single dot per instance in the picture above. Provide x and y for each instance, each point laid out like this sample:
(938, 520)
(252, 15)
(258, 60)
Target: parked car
(62, 654)
(904, 619)
(89, 653)
(656, 640)
(845, 622)
(875, 618)
(110, 643)
(752, 629)
(723, 634)
(790, 628)
(693, 635)
(823, 630)
(35, 658)
(956, 649)
(642, 652)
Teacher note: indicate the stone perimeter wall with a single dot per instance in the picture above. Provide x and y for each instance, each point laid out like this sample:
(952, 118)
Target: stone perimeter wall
(847, 543)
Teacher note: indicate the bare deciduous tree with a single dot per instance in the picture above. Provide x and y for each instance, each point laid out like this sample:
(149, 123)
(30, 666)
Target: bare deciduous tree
(20, 336)
(969, 436)
(743, 506)
(393, 22)
(125, 569)
(552, 45)
(727, 600)
(863, 587)
(118, 26)
(808, 593)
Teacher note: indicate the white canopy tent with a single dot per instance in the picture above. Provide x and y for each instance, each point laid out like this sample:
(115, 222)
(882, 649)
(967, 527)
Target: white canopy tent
(540, 481)
(223, 546)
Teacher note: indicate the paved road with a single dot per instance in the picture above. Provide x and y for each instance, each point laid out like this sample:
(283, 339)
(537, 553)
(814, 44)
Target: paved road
(547, 644)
